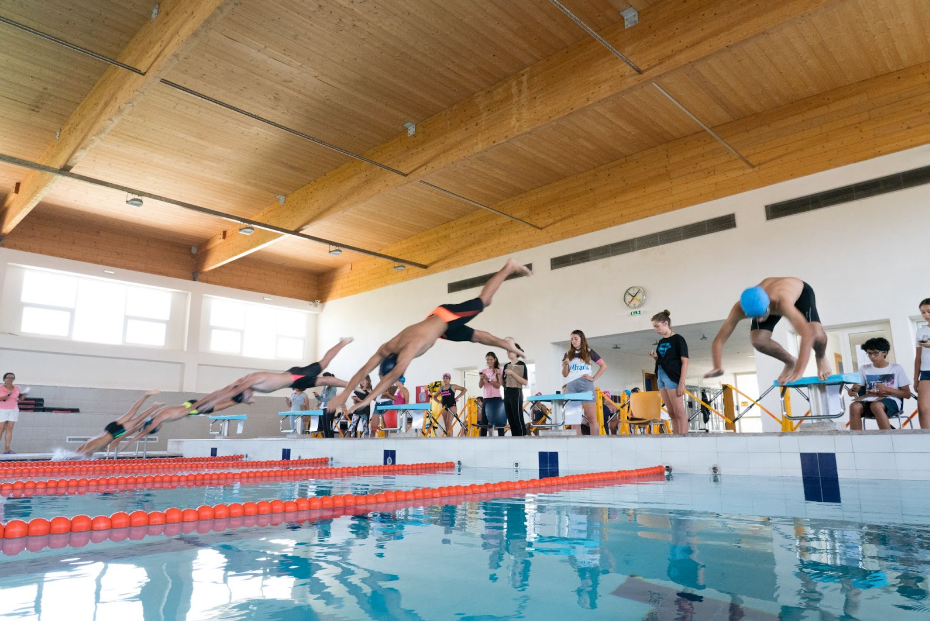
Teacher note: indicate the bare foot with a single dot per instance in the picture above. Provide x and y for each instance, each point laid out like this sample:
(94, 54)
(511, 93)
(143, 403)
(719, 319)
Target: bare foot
(514, 267)
(823, 369)
(784, 375)
(512, 346)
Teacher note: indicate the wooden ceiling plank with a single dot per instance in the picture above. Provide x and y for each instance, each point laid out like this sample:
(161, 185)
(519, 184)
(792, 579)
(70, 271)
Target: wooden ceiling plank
(899, 119)
(154, 49)
(580, 75)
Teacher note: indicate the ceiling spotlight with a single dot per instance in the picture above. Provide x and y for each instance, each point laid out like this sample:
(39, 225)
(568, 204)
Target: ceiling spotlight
(266, 298)
(133, 201)
(108, 272)
(333, 250)
(400, 267)
(245, 229)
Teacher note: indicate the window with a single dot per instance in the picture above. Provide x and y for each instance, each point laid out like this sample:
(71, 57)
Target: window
(256, 330)
(94, 310)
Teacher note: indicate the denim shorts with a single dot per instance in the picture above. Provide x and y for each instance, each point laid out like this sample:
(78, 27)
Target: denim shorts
(665, 381)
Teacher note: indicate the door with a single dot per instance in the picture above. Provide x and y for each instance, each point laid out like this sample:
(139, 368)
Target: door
(650, 381)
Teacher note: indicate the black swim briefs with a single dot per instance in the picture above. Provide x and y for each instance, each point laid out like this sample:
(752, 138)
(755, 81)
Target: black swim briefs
(807, 304)
(456, 316)
(115, 429)
(305, 377)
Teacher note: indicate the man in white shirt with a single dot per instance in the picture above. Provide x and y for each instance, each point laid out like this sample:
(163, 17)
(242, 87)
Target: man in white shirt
(886, 386)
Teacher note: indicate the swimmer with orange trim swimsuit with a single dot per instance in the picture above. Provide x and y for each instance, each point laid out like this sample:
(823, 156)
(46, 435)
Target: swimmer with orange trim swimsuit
(242, 389)
(446, 322)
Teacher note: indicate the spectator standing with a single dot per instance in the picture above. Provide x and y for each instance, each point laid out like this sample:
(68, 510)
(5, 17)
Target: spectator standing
(671, 356)
(489, 381)
(577, 369)
(9, 410)
(922, 368)
(515, 378)
(446, 396)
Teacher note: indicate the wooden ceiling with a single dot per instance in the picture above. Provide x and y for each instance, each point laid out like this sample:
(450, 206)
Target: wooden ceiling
(514, 103)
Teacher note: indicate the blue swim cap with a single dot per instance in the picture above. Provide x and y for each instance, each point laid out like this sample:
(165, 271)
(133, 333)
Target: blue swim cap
(387, 364)
(402, 379)
(755, 301)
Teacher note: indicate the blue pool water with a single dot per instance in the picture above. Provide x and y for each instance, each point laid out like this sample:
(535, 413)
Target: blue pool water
(691, 548)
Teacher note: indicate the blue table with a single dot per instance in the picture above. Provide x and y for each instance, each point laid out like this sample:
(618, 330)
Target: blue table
(223, 420)
(558, 401)
(402, 409)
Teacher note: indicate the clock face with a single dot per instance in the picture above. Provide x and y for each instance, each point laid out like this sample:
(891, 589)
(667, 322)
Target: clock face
(634, 297)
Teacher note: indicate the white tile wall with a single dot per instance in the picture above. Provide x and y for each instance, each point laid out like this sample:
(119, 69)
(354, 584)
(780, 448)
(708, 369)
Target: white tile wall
(862, 455)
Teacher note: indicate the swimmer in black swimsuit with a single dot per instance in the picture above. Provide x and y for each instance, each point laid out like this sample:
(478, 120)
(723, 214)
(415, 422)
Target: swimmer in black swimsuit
(127, 423)
(242, 389)
(446, 322)
(446, 397)
(766, 304)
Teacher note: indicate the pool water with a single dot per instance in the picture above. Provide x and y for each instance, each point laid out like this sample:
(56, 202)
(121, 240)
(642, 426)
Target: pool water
(690, 548)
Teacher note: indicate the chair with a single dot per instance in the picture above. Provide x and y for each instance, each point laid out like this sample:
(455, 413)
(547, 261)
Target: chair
(646, 412)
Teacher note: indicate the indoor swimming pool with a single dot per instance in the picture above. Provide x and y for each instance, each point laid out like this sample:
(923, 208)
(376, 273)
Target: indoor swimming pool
(685, 547)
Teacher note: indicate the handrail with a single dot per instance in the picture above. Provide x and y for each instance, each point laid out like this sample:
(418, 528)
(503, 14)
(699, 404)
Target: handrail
(761, 407)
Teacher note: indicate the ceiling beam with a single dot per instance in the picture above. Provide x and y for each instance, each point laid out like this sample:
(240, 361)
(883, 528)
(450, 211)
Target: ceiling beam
(154, 50)
(669, 36)
(843, 126)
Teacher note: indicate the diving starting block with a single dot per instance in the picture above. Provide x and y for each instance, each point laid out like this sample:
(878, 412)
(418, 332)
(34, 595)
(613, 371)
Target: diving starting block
(825, 396)
(401, 409)
(223, 421)
(296, 420)
(558, 406)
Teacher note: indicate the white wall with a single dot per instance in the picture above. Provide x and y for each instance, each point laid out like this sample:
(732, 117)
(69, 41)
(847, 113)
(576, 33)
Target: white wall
(698, 279)
(187, 366)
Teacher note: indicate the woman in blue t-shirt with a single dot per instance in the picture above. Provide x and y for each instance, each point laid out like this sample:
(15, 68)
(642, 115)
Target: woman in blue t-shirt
(671, 356)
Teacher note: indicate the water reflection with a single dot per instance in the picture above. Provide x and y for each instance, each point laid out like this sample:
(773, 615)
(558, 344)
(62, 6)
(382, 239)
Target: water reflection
(579, 554)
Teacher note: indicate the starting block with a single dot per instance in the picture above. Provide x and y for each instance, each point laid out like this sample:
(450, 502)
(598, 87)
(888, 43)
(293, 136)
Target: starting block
(223, 421)
(402, 409)
(296, 420)
(558, 406)
(825, 396)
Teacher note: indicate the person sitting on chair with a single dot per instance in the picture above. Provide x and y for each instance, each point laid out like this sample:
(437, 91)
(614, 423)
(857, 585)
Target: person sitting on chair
(885, 386)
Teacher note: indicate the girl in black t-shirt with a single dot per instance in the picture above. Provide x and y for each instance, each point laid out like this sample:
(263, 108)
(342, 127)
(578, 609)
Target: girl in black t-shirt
(671, 356)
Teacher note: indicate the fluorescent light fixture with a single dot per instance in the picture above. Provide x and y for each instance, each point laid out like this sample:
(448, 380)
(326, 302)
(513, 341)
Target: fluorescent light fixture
(245, 229)
(266, 298)
(134, 201)
(108, 272)
(333, 250)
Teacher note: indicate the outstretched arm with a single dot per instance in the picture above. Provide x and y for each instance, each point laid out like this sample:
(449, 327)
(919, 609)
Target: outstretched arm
(404, 358)
(339, 400)
(166, 415)
(735, 316)
(128, 416)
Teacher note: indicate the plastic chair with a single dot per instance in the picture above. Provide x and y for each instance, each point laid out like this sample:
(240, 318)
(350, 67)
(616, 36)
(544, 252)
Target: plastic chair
(646, 412)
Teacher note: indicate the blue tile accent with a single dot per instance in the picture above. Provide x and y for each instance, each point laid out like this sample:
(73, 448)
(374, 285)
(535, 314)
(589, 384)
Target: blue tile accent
(390, 457)
(213, 451)
(812, 491)
(285, 454)
(830, 489)
(827, 463)
(821, 483)
(543, 461)
(548, 464)
(810, 467)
